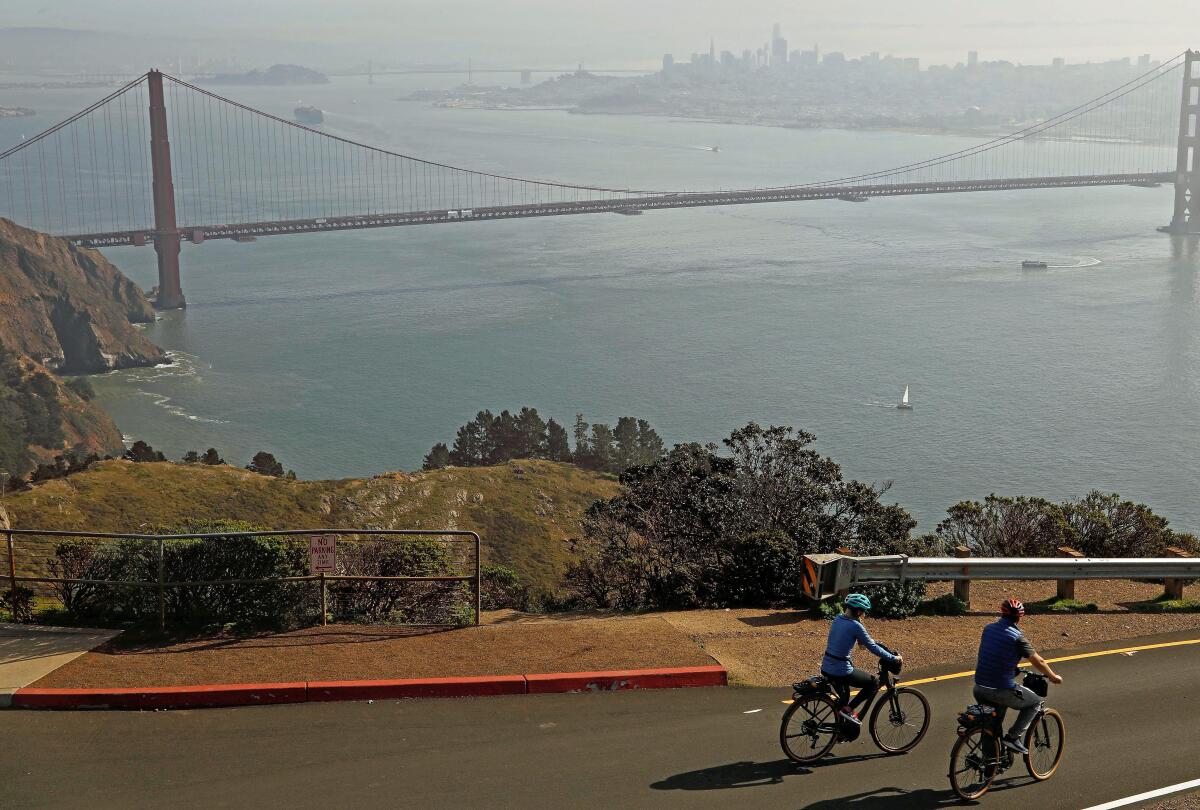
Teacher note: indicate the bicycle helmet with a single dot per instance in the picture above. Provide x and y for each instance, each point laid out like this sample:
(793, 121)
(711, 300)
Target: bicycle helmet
(858, 600)
(1013, 608)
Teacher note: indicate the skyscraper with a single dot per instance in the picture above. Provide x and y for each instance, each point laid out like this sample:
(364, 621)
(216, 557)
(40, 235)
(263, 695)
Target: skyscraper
(779, 54)
(972, 58)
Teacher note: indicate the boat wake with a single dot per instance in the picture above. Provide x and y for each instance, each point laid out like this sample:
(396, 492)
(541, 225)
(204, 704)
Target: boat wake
(1083, 261)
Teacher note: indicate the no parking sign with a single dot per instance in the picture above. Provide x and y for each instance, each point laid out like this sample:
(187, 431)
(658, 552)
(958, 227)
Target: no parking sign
(322, 554)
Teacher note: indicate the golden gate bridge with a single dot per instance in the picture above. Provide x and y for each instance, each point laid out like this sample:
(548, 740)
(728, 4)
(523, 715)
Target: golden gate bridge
(162, 161)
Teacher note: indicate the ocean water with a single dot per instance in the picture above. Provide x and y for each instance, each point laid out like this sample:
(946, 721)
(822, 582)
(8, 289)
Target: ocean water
(352, 353)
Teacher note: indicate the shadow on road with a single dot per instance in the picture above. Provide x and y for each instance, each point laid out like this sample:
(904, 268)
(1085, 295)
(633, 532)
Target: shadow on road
(891, 798)
(733, 775)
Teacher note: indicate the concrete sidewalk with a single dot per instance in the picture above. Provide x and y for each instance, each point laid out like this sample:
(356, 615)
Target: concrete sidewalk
(29, 652)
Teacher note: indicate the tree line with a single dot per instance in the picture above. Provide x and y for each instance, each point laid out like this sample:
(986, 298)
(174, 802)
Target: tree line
(496, 438)
(714, 527)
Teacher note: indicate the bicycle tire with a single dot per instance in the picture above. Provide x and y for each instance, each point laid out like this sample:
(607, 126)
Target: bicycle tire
(921, 704)
(1047, 736)
(818, 725)
(971, 747)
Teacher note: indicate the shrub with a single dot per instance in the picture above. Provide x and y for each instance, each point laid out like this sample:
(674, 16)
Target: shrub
(1163, 605)
(503, 589)
(945, 605)
(396, 601)
(18, 602)
(763, 568)
(893, 600)
(1055, 605)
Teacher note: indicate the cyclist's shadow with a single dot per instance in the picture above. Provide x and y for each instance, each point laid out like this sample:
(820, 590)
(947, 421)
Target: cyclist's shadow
(746, 774)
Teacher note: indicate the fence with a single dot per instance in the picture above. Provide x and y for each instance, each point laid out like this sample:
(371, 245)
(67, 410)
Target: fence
(826, 575)
(369, 552)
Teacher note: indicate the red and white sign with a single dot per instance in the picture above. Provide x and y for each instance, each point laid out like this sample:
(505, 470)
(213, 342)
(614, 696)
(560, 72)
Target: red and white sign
(322, 554)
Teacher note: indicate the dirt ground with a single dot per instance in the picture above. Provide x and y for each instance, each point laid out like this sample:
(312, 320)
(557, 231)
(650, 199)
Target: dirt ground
(776, 648)
(1190, 801)
(351, 652)
(758, 647)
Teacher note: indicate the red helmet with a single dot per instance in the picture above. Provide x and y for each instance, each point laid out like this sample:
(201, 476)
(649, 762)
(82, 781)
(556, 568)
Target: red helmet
(1012, 607)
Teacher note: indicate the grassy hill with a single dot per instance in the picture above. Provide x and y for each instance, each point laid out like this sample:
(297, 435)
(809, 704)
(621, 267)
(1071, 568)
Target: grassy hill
(525, 511)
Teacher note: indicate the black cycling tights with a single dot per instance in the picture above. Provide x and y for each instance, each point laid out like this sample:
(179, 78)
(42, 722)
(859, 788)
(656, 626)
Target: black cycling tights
(866, 683)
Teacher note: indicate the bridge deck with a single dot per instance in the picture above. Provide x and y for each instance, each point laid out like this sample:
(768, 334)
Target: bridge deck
(197, 233)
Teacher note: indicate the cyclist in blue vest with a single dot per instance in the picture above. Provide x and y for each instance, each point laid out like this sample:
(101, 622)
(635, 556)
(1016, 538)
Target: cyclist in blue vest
(1001, 649)
(846, 631)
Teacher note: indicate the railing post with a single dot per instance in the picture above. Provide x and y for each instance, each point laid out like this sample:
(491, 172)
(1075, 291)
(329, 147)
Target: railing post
(1066, 587)
(844, 592)
(12, 564)
(1173, 587)
(962, 587)
(162, 588)
(478, 582)
(324, 600)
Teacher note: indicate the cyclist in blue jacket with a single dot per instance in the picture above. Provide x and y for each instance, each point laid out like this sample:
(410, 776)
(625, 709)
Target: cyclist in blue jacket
(846, 631)
(1001, 648)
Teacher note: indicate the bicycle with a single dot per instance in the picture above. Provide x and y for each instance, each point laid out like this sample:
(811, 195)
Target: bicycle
(811, 726)
(978, 756)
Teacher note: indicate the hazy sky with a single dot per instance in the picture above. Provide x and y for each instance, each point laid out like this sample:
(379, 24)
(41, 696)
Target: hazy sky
(614, 32)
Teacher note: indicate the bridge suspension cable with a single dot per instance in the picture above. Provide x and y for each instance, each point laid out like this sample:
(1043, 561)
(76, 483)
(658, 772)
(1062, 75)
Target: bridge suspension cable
(234, 166)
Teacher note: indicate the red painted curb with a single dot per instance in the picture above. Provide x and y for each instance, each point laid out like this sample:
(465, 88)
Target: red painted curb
(163, 697)
(260, 694)
(417, 688)
(626, 679)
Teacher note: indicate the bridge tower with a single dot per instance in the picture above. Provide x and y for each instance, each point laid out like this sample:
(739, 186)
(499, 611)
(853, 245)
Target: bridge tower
(1187, 171)
(166, 232)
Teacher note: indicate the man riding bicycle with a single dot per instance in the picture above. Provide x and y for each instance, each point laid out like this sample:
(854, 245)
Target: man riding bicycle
(846, 631)
(1001, 649)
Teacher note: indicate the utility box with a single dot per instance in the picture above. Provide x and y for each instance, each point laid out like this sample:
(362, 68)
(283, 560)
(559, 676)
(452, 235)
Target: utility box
(823, 575)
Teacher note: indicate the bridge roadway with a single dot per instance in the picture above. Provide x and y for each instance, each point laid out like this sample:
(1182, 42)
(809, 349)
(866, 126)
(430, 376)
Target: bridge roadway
(624, 205)
(1131, 728)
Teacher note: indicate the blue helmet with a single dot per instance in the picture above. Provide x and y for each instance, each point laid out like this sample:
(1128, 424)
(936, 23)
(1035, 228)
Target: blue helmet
(858, 600)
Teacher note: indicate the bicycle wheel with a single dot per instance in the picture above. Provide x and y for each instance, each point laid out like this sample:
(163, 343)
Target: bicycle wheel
(1045, 740)
(973, 762)
(809, 728)
(899, 720)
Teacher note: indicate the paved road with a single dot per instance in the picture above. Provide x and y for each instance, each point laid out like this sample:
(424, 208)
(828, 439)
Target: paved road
(1132, 726)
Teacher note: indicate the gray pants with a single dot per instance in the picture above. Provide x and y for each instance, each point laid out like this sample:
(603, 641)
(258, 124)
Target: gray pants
(1016, 698)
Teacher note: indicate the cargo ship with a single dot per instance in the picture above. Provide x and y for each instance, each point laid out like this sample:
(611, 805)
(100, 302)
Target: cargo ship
(309, 115)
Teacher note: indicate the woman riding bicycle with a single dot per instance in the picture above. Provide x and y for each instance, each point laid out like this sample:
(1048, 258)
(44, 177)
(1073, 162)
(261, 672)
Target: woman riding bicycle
(846, 631)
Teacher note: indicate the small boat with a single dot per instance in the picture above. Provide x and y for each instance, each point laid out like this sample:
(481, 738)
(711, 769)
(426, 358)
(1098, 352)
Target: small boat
(306, 114)
(1033, 264)
(904, 405)
(714, 149)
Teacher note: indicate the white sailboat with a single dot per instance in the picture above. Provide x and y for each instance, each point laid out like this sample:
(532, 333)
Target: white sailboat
(904, 405)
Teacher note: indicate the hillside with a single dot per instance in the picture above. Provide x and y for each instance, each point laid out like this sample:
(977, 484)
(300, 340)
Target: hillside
(68, 307)
(525, 511)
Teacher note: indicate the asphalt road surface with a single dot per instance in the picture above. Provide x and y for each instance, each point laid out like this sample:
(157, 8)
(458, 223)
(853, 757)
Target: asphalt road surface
(1133, 725)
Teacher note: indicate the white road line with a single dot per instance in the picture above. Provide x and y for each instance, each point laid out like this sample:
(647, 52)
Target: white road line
(1151, 794)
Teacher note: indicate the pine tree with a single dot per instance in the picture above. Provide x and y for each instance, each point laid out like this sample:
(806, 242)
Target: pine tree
(557, 446)
(582, 450)
(650, 446)
(264, 463)
(437, 458)
(211, 457)
(602, 455)
(531, 439)
(626, 435)
(191, 457)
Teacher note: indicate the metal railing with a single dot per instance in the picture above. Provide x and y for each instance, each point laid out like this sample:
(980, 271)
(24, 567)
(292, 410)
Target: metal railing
(161, 584)
(826, 575)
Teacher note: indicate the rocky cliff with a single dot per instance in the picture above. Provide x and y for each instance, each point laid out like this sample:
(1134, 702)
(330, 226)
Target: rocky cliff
(69, 308)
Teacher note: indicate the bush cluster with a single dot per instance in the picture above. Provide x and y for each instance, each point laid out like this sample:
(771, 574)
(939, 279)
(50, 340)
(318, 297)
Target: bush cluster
(253, 605)
(700, 528)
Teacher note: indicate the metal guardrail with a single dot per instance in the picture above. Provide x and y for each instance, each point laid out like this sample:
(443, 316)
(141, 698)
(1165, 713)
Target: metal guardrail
(898, 568)
(160, 583)
(824, 575)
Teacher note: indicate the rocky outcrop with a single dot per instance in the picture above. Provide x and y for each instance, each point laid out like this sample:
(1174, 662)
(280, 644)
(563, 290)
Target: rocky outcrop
(69, 308)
